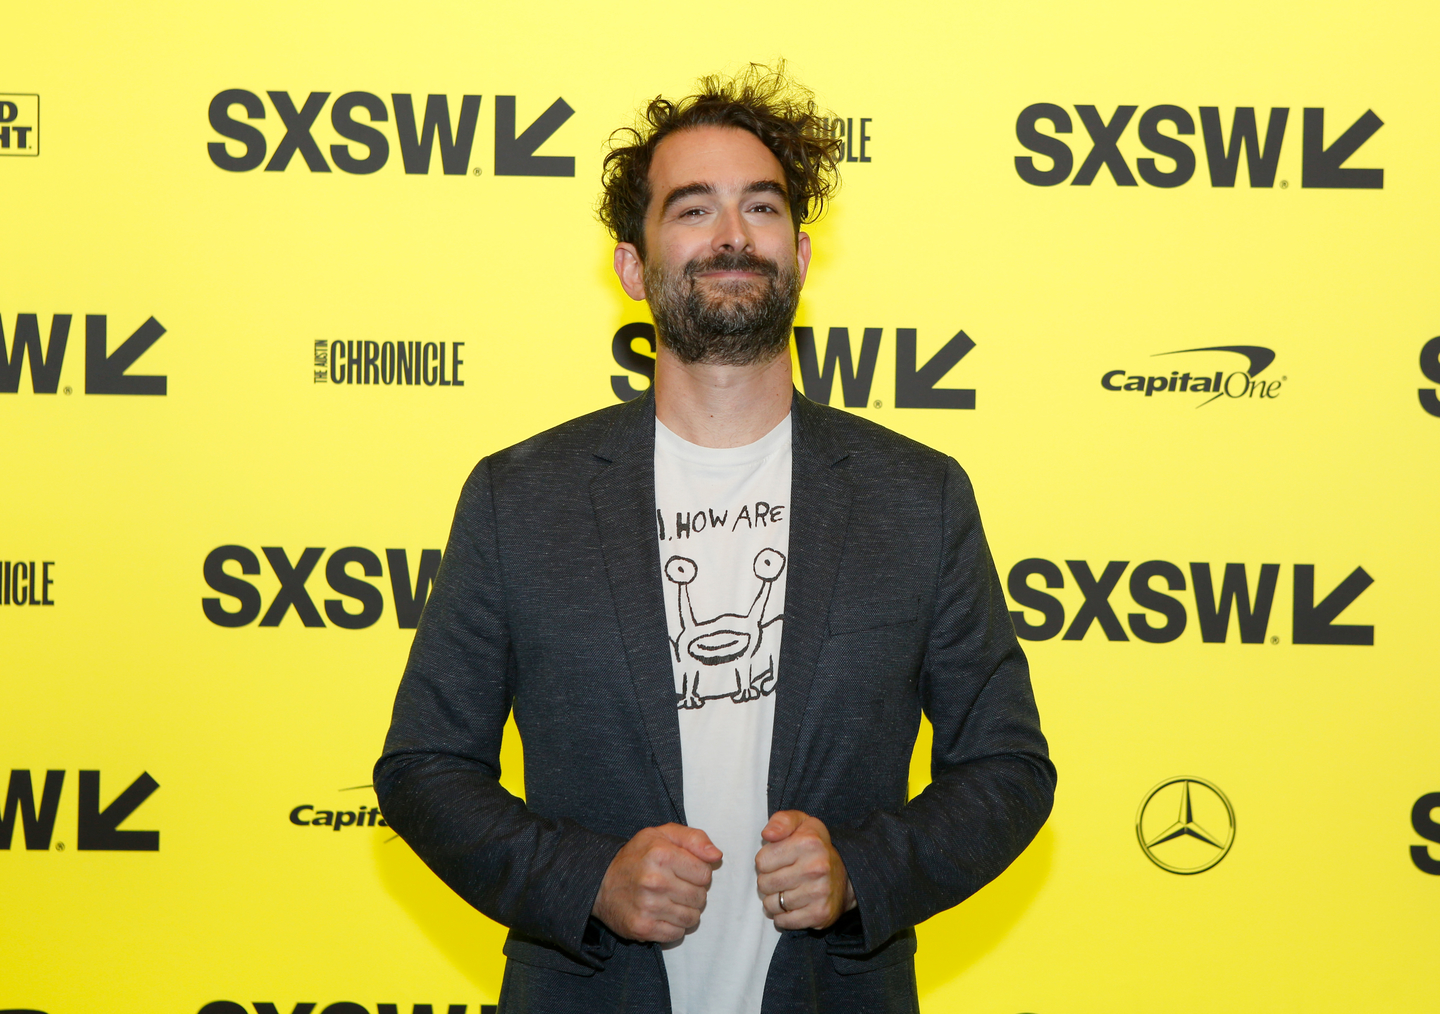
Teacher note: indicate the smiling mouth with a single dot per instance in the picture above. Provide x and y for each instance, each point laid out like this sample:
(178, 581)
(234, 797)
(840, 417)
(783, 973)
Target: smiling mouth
(731, 276)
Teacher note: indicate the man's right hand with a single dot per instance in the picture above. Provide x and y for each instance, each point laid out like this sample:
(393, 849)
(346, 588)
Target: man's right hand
(655, 887)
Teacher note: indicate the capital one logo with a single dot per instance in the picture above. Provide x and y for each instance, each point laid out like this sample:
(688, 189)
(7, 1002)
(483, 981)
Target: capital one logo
(1322, 166)
(364, 148)
(1233, 385)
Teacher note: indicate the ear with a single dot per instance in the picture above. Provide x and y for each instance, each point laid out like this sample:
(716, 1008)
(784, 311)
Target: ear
(630, 269)
(802, 255)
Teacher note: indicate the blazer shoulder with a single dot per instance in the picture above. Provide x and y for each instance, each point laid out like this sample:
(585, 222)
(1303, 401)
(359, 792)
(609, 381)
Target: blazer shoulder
(877, 448)
(562, 445)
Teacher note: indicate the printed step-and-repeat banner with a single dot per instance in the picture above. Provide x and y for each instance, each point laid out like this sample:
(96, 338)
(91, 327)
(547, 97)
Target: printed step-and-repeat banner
(1163, 280)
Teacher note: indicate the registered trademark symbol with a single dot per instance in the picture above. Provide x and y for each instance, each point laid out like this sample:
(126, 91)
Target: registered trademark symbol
(59, 846)
(1284, 378)
(1284, 184)
(1274, 639)
(878, 403)
(476, 170)
(67, 390)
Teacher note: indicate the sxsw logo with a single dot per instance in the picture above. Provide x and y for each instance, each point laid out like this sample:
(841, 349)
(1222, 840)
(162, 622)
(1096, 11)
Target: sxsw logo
(819, 370)
(105, 370)
(1422, 819)
(1249, 603)
(339, 1007)
(418, 133)
(19, 124)
(96, 829)
(1321, 166)
(1430, 368)
(293, 593)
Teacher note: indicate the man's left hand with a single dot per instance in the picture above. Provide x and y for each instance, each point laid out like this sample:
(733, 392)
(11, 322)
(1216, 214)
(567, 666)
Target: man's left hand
(799, 862)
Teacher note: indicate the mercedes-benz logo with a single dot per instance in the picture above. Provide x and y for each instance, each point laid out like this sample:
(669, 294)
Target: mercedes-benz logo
(1185, 825)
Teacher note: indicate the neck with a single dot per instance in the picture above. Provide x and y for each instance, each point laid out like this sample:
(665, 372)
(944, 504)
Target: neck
(721, 406)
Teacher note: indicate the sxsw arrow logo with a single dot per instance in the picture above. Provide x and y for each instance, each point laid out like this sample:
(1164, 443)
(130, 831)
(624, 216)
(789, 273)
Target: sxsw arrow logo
(915, 383)
(106, 371)
(915, 388)
(1315, 623)
(97, 830)
(1322, 166)
(515, 156)
(363, 147)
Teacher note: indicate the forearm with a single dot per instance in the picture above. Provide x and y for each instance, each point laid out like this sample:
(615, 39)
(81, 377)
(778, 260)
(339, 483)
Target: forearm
(960, 833)
(535, 875)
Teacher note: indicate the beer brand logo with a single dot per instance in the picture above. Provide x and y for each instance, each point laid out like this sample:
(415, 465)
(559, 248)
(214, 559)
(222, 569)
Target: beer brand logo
(20, 124)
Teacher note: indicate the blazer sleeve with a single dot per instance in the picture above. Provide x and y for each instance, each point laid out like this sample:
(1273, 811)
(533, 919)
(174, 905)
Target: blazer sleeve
(438, 778)
(993, 783)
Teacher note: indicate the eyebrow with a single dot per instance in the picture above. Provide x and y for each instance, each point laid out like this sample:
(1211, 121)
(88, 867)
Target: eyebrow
(692, 189)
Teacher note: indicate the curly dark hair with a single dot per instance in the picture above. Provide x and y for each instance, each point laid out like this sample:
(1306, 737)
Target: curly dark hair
(760, 99)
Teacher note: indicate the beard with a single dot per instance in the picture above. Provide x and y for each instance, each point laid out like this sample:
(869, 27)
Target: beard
(738, 322)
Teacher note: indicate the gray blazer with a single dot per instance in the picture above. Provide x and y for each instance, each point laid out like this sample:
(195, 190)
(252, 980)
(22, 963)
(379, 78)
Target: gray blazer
(550, 602)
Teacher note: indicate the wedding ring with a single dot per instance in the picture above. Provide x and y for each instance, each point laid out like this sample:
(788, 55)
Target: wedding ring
(782, 902)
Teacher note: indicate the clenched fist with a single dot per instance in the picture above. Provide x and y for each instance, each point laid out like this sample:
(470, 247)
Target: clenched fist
(655, 888)
(799, 862)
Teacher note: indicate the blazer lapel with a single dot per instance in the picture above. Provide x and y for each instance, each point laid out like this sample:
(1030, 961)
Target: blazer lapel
(819, 513)
(623, 496)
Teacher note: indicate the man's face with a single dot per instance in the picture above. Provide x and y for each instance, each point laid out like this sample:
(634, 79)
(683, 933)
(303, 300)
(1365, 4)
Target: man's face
(724, 266)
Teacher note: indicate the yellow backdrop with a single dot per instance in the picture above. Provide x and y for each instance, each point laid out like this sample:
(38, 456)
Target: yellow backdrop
(242, 201)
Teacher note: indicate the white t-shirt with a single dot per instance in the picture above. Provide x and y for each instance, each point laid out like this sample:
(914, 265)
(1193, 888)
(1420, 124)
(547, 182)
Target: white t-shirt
(723, 520)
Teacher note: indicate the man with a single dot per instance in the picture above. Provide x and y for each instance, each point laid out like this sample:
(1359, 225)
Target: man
(717, 612)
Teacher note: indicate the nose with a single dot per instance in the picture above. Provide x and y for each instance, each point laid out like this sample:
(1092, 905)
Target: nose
(731, 234)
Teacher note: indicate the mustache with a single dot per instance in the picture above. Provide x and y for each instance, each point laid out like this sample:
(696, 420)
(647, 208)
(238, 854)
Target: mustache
(737, 260)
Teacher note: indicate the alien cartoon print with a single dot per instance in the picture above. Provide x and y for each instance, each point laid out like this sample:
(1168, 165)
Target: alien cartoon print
(722, 519)
(728, 655)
